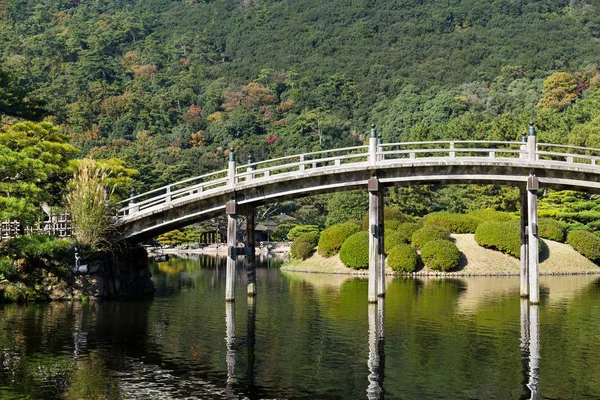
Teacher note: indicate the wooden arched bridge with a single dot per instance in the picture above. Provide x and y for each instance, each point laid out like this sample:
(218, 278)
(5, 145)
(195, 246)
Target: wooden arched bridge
(238, 189)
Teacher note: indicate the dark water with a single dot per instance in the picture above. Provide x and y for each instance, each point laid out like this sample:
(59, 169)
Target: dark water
(308, 336)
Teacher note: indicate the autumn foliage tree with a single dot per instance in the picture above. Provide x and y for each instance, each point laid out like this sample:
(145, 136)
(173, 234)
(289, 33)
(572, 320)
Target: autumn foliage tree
(560, 90)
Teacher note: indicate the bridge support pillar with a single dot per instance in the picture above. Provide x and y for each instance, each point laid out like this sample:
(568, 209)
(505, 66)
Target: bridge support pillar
(231, 211)
(533, 239)
(524, 243)
(376, 254)
(251, 252)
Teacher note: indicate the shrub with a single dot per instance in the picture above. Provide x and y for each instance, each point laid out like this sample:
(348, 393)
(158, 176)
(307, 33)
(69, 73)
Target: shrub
(7, 269)
(402, 258)
(301, 249)
(300, 230)
(391, 216)
(454, 223)
(38, 248)
(333, 238)
(491, 215)
(392, 239)
(406, 230)
(440, 255)
(427, 234)
(586, 243)
(311, 237)
(355, 251)
(502, 236)
(551, 229)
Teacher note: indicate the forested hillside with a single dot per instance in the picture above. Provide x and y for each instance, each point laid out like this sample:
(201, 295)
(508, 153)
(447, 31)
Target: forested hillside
(169, 86)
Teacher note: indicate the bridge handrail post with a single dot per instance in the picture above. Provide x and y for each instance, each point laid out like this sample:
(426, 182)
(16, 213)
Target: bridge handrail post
(531, 143)
(452, 153)
(381, 156)
(302, 163)
(250, 166)
(231, 168)
(373, 145)
(168, 196)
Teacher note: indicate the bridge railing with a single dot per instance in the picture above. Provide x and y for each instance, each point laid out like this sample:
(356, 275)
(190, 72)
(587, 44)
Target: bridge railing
(338, 158)
(452, 149)
(169, 193)
(301, 163)
(568, 154)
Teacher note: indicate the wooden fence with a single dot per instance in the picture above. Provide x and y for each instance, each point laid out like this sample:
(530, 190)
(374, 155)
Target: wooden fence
(58, 225)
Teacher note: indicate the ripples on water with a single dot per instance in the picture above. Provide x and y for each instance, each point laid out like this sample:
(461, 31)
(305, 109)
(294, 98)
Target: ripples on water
(307, 336)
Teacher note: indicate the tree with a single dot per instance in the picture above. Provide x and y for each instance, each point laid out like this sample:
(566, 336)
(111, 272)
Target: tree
(34, 168)
(560, 90)
(346, 206)
(15, 102)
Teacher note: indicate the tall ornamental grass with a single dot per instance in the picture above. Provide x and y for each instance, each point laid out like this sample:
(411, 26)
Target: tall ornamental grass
(89, 205)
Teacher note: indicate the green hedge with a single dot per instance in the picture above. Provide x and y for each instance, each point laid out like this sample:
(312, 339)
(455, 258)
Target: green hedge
(502, 236)
(310, 237)
(491, 215)
(355, 251)
(440, 255)
(300, 230)
(392, 238)
(333, 238)
(551, 229)
(7, 269)
(403, 258)
(427, 234)
(301, 250)
(406, 230)
(391, 215)
(586, 243)
(453, 223)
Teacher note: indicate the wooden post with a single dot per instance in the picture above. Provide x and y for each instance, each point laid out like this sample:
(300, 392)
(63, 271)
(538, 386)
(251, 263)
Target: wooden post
(374, 238)
(524, 246)
(251, 339)
(533, 239)
(251, 252)
(381, 245)
(230, 209)
(230, 342)
(534, 350)
(376, 346)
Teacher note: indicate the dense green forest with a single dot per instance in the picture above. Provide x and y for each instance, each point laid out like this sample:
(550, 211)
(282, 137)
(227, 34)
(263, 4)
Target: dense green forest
(168, 86)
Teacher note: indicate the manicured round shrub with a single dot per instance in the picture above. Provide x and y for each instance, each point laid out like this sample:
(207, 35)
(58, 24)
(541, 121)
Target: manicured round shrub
(440, 255)
(406, 230)
(452, 222)
(355, 251)
(333, 238)
(300, 230)
(427, 234)
(403, 258)
(551, 229)
(502, 236)
(311, 237)
(491, 215)
(301, 250)
(392, 238)
(391, 216)
(586, 243)
(391, 225)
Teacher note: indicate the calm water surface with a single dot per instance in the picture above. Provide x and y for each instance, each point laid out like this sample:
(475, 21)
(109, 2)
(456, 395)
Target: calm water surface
(308, 336)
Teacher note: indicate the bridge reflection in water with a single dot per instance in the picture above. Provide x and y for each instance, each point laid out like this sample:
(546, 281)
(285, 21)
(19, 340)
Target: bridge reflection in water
(530, 348)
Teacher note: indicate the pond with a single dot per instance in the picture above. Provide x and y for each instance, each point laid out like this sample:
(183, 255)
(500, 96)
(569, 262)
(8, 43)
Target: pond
(308, 336)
